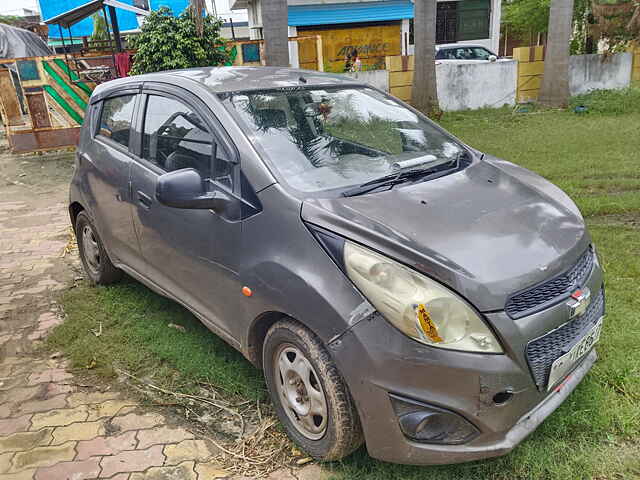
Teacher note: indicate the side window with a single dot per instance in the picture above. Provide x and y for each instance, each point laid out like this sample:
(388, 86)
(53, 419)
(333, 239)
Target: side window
(176, 137)
(115, 118)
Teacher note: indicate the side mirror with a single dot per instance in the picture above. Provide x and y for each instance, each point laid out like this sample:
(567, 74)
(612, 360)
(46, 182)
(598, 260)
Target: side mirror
(493, 58)
(186, 189)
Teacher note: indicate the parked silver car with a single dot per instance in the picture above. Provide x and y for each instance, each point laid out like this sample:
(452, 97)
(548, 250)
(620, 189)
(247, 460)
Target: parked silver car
(464, 52)
(395, 285)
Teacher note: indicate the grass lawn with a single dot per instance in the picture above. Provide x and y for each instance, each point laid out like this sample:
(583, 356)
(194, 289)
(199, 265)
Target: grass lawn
(595, 434)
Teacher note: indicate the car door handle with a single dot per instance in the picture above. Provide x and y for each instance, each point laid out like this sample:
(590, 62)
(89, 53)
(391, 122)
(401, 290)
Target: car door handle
(144, 200)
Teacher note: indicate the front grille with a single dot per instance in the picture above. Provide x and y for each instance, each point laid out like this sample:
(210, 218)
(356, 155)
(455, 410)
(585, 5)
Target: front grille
(526, 302)
(543, 351)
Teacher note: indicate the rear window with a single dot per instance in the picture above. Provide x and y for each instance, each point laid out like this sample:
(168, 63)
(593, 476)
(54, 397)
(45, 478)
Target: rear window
(115, 118)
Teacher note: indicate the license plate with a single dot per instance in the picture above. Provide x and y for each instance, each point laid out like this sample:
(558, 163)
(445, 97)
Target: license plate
(564, 364)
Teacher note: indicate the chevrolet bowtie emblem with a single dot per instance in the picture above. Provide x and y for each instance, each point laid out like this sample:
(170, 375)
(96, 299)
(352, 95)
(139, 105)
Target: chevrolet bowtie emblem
(579, 301)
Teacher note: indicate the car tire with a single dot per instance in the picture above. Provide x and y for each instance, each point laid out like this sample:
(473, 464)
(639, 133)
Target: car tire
(290, 353)
(95, 260)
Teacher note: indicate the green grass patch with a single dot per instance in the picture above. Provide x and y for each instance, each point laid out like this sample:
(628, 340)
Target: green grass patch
(137, 338)
(595, 434)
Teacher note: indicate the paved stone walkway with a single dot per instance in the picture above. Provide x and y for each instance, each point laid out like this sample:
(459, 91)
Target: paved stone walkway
(52, 427)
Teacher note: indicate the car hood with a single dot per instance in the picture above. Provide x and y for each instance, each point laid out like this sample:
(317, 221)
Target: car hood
(487, 231)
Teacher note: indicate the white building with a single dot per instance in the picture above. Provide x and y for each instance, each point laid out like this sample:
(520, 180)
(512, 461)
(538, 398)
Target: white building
(376, 28)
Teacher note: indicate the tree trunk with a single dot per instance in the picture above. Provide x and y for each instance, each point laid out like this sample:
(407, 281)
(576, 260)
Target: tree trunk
(424, 95)
(555, 82)
(275, 32)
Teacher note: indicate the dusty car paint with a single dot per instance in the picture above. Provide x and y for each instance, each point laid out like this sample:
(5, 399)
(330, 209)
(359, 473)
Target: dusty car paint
(485, 232)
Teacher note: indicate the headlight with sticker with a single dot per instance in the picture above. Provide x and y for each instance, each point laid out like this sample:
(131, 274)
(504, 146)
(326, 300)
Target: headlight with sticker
(418, 306)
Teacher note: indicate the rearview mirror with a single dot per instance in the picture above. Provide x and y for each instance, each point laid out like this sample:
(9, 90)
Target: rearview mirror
(185, 188)
(493, 58)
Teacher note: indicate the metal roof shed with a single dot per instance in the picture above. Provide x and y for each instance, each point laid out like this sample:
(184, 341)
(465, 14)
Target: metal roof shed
(336, 13)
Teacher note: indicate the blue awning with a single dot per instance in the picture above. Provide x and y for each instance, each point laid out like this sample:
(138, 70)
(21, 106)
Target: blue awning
(332, 13)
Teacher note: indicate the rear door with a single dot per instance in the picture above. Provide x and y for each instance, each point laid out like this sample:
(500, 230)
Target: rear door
(106, 161)
(191, 254)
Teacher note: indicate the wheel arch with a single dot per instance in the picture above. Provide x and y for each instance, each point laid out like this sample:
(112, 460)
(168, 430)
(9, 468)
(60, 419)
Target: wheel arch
(74, 210)
(258, 332)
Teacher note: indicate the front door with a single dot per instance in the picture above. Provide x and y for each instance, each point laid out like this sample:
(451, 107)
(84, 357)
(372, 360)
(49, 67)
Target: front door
(191, 254)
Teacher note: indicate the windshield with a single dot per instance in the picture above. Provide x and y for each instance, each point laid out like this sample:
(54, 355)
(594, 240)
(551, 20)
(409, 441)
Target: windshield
(326, 138)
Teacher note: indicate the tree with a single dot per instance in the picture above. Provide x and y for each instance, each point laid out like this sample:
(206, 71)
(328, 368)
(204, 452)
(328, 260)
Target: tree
(616, 21)
(528, 18)
(555, 82)
(424, 95)
(275, 31)
(195, 10)
(100, 31)
(166, 42)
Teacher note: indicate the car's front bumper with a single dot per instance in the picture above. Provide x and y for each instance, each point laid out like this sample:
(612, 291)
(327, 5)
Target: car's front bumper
(376, 361)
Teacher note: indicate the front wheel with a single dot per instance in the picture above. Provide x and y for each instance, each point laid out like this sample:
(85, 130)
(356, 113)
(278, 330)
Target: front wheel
(310, 396)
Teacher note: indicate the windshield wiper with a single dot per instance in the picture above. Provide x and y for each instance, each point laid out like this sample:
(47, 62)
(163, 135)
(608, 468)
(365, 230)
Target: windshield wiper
(401, 177)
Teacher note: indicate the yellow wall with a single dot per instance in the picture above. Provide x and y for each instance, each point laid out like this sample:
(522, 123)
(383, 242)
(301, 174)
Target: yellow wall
(373, 43)
(400, 76)
(530, 72)
(635, 73)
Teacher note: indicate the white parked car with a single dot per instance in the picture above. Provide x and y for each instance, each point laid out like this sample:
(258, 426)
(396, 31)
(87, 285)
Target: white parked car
(457, 51)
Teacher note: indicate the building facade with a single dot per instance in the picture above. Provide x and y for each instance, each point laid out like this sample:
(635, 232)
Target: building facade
(377, 28)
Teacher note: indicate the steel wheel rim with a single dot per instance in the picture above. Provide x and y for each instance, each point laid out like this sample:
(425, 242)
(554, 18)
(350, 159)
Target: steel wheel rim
(91, 249)
(300, 392)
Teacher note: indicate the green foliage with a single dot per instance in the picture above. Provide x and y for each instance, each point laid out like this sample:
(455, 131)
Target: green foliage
(526, 16)
(100, 31)
(168, 43)
(10, 19)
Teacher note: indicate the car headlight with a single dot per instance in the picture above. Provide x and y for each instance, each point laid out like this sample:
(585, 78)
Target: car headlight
(416, 305)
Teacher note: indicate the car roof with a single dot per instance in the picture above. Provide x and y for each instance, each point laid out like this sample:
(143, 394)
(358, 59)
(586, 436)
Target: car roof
(233, 79)
(447, 46)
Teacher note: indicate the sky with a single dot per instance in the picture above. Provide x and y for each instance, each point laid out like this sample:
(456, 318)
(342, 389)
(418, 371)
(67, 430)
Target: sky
(7, 7)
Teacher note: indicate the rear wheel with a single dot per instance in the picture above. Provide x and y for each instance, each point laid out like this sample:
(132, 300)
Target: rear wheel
(310, 396)
(94, 257)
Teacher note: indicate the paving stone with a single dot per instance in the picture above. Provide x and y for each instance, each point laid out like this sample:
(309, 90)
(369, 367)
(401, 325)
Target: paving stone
(43, 456)
(48, 319)
(53, 389)
(82, 398)
(58, 418)
(34, 406)
(132, 461)
(6, 410)
(163, 434)
(49, 375)
(311, 472)
(106, 445)
(19, 395)
(210, 471)
(12, 425)
(24, 475)
(5, 461)
(13, 382)
(198, 450)
(78, 431)
(110, 408)
(134, 421)
(184, 471)
(70, 470)
(282, 474)
(25, 440)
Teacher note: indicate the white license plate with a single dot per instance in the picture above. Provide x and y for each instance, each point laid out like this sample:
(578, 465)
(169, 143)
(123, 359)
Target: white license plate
(565, 363)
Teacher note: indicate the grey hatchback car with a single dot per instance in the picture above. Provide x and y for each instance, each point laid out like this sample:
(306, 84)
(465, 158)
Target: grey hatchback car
(396, 286)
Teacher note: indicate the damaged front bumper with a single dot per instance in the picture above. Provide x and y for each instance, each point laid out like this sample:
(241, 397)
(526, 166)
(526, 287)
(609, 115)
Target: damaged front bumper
(494, 393)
